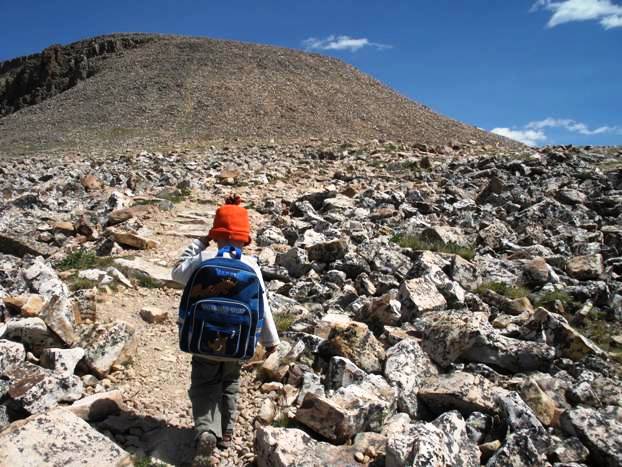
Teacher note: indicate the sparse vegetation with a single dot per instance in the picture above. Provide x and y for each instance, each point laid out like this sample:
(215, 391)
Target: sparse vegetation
(176, 196)
(283, 321)
(509, 291)
(147, 462)
(548, 299)
(147, 282)
(77, 283)
(417, 242)
(83, 259)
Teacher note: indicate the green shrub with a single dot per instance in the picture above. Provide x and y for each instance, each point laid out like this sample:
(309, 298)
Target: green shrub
(83, 259)
(283, 321)
(416, 242)
(509, 291)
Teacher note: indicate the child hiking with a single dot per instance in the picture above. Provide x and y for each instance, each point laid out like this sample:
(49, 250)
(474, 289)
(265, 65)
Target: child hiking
(223, 312)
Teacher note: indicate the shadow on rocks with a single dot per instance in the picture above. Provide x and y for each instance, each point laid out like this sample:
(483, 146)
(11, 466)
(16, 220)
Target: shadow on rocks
(146, 436)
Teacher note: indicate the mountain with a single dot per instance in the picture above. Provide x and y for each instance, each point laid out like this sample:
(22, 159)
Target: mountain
(132, 90)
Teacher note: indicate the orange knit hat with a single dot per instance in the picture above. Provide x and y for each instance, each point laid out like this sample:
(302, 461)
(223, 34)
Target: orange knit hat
(231, 222)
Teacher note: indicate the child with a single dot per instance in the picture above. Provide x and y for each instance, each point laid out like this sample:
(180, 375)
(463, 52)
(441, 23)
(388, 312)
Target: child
(215, 385)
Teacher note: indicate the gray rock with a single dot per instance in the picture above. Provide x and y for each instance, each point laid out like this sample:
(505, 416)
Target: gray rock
(270, 236)
(328, 252)
(11, 354)
(107, 344)
(98, 406)
(33, 333)
(419, 296)
(295, 261)
(58, 438)
(62, 361)
(342, 372)
(406, 367)
(354, 341)
(518, 450)
(601, 434)
(349, 410)
(460, 391)
(444, 442)
(283, 447)
(519, 418)
(35, 389)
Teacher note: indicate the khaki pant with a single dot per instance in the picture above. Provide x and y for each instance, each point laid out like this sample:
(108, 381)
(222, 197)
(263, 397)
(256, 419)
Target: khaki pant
(214, 391)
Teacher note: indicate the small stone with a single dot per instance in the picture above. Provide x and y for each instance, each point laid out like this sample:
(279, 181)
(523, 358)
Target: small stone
(153, 315)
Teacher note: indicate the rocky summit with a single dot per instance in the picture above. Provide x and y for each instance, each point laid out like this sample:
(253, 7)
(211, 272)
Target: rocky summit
(152, 91)
(439, 305)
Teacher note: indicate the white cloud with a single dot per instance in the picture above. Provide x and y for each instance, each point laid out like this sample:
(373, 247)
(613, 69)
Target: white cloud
(533, 134)
(333, 42)
(571, 125)
(607, 13)
(528, 137)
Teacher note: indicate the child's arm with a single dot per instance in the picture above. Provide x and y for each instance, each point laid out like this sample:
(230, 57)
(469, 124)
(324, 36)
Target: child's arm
(189, 260)
(269, 334)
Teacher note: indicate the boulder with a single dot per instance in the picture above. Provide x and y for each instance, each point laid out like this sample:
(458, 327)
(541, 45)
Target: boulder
(34, 389)
(449, 334)
(356, 342)
(284, 447)
(62, 361)
(443, 442)
(406, 367)
(585, 268)
(342, 372)
(349, 410)
(27, 305)
(419, 296)
(57, 312)
(106, 345)
(11, 354)
(132, 240)
(33, 333)
(536, 271)
(518, 450)
(141, 269)
(598, 431)
(568, 342)
(20, 245)
(454, 335)
(384, 310)
(295, 260)
(327, 252)
(543, 406)
(58, 438)
(99, 406)
(460, 391)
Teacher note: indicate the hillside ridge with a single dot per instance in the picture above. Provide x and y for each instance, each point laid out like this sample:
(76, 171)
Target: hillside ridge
(137, 90)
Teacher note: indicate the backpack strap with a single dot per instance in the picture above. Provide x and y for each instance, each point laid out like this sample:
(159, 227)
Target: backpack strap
(233, 251)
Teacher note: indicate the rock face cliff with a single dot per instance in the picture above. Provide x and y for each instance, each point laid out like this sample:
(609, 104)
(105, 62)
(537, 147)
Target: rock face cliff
(143, 90)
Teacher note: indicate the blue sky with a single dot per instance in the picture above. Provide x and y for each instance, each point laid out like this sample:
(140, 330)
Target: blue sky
(543, 71)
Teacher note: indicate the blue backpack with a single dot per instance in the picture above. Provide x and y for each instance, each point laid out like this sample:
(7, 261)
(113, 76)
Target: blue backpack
(221, 313)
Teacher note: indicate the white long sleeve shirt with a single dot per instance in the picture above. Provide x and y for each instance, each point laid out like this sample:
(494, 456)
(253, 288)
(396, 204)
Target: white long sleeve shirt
(191, 259)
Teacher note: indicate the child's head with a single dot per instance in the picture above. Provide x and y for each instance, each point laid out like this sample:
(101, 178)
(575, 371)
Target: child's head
(231, 224)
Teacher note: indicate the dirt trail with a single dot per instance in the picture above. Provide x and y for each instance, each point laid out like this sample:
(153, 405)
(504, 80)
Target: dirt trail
(155, 384)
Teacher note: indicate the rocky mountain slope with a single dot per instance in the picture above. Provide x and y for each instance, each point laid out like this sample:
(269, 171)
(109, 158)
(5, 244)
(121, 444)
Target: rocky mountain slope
(454, 307)
(137, 90)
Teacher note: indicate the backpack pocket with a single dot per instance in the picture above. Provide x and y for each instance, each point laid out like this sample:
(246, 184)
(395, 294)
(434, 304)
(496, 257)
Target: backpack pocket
(219, 327)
